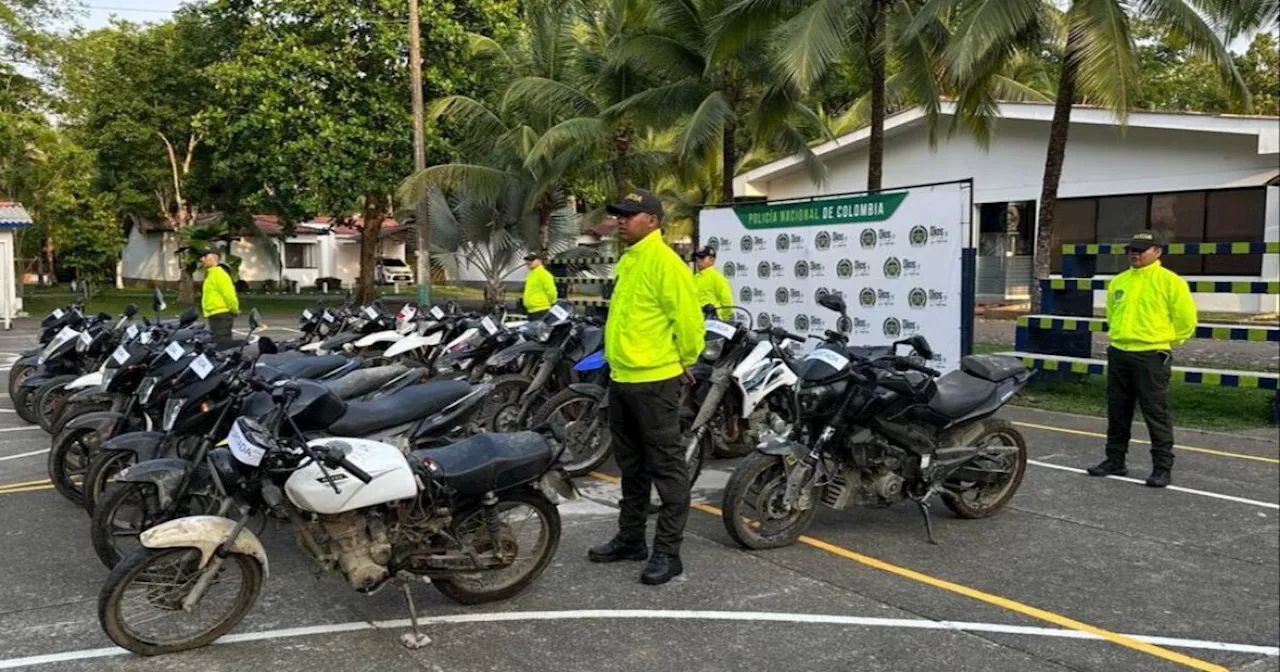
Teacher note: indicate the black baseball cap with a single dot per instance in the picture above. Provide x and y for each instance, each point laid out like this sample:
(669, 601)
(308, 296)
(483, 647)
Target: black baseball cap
(207, 250)
(704, 252)
(531, 256)
(637, 201)
(1144, 240)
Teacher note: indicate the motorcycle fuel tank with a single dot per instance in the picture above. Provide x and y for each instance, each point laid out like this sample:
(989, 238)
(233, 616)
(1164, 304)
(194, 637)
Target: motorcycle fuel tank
(311, 490)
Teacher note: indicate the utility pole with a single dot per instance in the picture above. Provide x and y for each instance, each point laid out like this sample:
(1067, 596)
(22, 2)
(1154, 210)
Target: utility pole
(419, 156)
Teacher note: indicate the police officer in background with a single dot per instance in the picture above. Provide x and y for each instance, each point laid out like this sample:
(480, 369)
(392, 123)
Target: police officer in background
(653, 335)
(539, 288)
(713, 288)
(1149, 310)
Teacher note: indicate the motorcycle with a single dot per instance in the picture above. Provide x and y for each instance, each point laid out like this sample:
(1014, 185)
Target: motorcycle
(477, 518)
(874, 429)
(581, 413)
(50, 326)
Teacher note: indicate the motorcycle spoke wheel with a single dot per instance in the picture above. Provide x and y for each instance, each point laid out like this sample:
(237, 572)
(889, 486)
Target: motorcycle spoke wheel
(586, 436)
(141, 604)
(1002, 462)
(529, 533)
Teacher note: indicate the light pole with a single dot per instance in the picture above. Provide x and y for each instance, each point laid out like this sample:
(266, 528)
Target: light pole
(419, 156)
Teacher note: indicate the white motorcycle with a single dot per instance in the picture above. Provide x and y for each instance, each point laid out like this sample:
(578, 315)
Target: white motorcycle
(477, 519)
(744, 387)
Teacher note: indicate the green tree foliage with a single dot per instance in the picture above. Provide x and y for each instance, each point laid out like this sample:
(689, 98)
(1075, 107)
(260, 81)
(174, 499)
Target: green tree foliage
(1173, 78)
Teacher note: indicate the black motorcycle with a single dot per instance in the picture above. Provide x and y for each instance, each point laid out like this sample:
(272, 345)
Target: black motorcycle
(876, 428)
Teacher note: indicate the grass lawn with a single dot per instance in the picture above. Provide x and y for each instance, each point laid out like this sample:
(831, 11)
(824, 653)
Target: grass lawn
(1197, 406)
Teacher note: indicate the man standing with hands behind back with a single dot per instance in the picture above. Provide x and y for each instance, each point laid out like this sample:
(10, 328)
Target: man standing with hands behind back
(539, 288)
(653, 335)
(1149, 310)
(218, 300)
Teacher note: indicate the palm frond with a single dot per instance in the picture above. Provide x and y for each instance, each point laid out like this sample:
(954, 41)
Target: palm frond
(814, 39)
(661, 104)
(548, 98)
(659, 56)
(747, 23)
(583, 131)
(481, 184)
(1108, 73)
(474, 121)
(1184, 21)
(701, 131)
(987, 23)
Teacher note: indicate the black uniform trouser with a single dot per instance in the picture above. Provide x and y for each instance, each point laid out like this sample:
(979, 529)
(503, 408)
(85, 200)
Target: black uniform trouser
(644, 419)
(1141, 378)
(535, 315)
(220, 327)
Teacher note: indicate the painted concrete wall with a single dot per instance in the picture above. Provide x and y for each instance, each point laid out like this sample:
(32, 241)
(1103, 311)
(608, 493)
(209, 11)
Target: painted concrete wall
(151, 256)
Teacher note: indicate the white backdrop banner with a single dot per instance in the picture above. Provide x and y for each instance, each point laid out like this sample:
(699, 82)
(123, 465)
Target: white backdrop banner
(895, 258)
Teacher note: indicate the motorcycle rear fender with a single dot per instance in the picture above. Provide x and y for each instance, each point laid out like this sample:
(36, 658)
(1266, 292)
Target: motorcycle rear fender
(164, 473)
(88, 380)
(452, 415)
(412, 343)
(144, 445)
(782, 447)
(30, 358)
(389, 336)
(505, 357)
(205, 534)
(102, 422)
(590, 389)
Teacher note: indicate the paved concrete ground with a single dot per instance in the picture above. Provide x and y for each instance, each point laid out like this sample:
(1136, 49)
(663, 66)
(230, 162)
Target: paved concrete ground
(1011, 593)
(1196, 352)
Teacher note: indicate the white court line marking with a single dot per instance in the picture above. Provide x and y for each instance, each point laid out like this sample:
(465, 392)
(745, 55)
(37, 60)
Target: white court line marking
(30, 454)
(643, 614)
(7, 410)
(19, 429)
(1202, 493)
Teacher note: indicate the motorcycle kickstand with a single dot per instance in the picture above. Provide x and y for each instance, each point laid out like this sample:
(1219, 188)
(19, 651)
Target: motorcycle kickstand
(415, 639)
(923, 504)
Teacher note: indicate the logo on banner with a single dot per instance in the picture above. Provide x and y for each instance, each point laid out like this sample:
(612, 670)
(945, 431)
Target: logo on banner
(730, 269)
(917, 298)
(892, 328)
(788, 241)
(844, 269)
(910, 327)
(858, 326)
(884, 297)
(719, 244)
(802, 269)
(938, 235)
(765, 322)
(823, 291)
(918, 237)
(802, 323)
(910, 267)
(762, 269)
(811, 322)
(745, 244)
(937, 299)
(861, 269)
(782, 296)
(744, 295)
(867, 239)
(844, 325)
(822, 241)
(768, 269)
(867, 297)
(886, 237)
(892, 268)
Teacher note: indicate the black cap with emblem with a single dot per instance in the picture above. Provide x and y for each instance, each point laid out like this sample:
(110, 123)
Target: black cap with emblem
(1144, 240)
(637, 201)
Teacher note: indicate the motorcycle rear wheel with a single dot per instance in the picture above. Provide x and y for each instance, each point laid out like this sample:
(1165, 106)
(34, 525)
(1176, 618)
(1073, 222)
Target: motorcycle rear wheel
(972, 501)
(506, 390)
(500, 584)
(18, 394)
(754, 513)
(161, 578)
(125, 510)
(590, 445)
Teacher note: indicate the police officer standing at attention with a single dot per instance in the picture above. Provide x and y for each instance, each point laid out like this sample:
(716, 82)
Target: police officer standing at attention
(653, 334)
(713, 288)
(539, 288)
(1149, 310)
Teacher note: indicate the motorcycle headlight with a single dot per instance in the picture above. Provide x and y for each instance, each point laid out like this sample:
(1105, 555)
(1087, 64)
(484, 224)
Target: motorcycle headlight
(107, 375)
(712, 352)
(146, 388)
(813, 398)
(541, 331)
(171, 410)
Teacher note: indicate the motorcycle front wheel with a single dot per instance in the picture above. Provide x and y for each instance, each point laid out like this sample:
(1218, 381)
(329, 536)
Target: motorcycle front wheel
(755, 511)
(69, 460)
(49, 402)
(140, 606)
(104, 467)
(19, 394)
(529, 534)
(76, 409)
(506, 392)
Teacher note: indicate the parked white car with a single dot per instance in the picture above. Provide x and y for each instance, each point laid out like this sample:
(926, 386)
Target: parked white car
(391, 270)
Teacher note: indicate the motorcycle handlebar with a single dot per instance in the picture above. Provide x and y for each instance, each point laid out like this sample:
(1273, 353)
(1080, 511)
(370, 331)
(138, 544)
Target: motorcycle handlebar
(779, 332)
(354, 470)
(908, 364)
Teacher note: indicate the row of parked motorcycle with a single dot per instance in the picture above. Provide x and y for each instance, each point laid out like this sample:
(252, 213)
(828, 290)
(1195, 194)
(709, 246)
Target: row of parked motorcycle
(434, 443)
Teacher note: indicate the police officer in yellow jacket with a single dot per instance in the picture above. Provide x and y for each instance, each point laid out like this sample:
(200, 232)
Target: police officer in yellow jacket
(218, 300)
(1149, 310)
(713, 288)
(539, 288)
(653, 335)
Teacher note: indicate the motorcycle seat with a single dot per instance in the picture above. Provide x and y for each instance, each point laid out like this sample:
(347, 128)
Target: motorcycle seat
(994, 368)
(311, 367)
(489, 462)
(363, 418)
(960, 393)
(363, 381)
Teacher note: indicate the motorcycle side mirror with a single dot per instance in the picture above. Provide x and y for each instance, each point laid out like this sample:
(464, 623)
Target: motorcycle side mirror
(921, 345)
(832, 302)
(157, 301)
(255, 320)
(188, 317)
(131, 310)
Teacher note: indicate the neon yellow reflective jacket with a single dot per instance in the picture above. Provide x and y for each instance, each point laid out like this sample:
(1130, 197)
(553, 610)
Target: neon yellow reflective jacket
(218, 294)
(714, 289)
(539, 290)
(1149, 308)
(655, 326)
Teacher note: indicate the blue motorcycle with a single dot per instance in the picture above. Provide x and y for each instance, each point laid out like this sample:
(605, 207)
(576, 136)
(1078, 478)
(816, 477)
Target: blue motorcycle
(581, 412)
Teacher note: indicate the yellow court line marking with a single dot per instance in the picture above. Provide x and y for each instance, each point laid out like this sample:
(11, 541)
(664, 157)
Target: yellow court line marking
(43, 481)
(1193, 449)
(996, 600)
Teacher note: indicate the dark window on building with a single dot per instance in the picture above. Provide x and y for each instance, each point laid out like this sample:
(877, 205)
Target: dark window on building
(299, 255)
(1073, 222)
(1119, 217)
(1180, 219)
(1235, 216)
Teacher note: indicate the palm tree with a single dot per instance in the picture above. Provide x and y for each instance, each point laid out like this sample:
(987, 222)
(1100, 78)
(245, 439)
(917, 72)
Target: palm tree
(1097, 61)
(722, 100)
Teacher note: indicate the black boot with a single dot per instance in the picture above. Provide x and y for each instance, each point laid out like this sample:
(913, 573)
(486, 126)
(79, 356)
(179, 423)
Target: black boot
(1109, 467)
(616, 550)
(1159, 478)
(662, 568)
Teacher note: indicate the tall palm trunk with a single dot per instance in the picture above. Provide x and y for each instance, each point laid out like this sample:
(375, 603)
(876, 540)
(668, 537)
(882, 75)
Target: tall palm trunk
(1053, 166)
(373, 212)
(621, 147)
(728, 160)
(875, 63)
